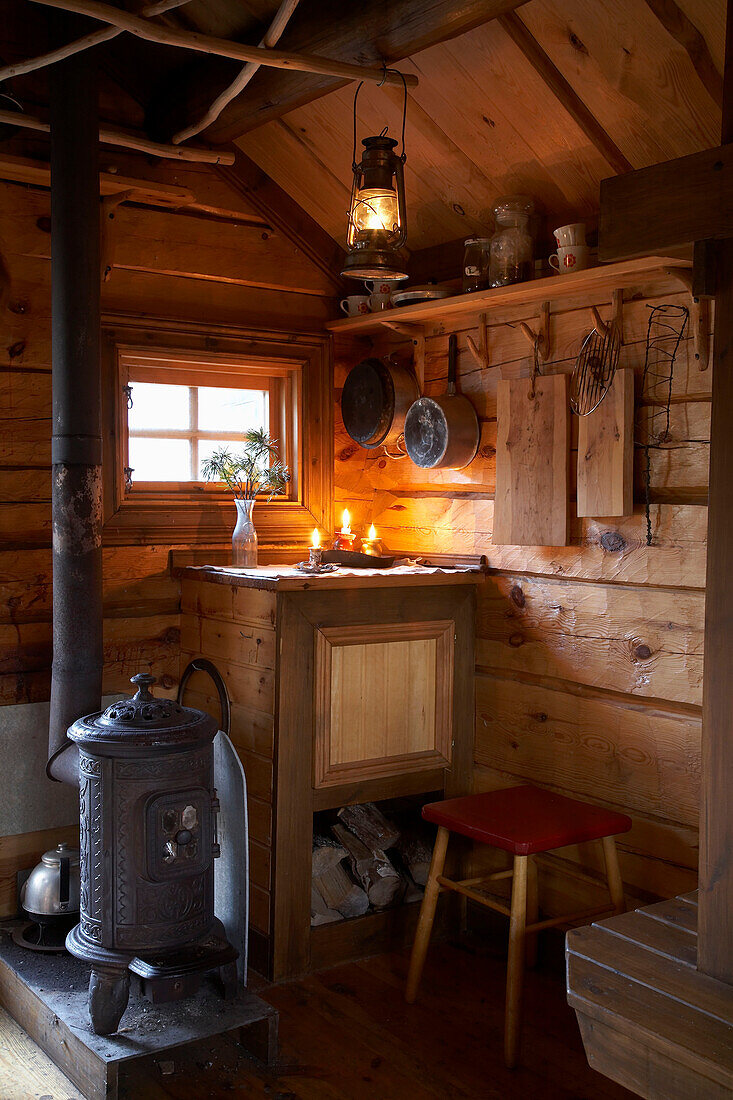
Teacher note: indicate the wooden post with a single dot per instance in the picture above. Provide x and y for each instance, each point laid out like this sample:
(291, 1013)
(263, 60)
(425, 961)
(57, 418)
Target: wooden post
(715, 912)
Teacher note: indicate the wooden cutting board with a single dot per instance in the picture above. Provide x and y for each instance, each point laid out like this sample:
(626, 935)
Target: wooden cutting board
(606, 452)
(532, 452)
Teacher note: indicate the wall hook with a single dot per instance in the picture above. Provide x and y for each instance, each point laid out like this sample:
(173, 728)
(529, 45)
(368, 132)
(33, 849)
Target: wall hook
(480, 351)
(106, 227)
(415, 333)
(539, 340)
(699, 316)
(617, 306)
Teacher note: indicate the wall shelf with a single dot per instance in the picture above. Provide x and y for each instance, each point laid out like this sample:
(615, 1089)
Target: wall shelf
(552, 289)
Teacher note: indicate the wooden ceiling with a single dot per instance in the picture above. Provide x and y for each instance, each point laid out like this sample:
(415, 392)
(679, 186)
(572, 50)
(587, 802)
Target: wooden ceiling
(549, 97)
(483, 121)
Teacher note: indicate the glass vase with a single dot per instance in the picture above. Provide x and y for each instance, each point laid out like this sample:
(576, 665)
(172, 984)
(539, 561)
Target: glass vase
(244, 537)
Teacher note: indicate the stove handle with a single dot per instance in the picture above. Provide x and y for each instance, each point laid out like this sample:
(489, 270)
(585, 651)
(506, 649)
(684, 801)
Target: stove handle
(215, 808)
(202, 664)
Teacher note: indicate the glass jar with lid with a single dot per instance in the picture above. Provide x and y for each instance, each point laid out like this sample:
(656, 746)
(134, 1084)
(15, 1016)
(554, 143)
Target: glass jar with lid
(512, 246)
(476, 264)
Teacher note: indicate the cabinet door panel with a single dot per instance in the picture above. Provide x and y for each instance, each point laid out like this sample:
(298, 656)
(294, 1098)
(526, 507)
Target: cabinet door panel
(383, 700)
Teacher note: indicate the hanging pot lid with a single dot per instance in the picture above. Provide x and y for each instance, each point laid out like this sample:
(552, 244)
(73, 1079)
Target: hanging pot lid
(145, 721)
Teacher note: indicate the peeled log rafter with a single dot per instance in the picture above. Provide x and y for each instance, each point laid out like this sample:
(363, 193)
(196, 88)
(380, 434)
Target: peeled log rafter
(382, 882)
(95, 38)
(370, 825)
(242, 79)
(220, 47)
(127, 141)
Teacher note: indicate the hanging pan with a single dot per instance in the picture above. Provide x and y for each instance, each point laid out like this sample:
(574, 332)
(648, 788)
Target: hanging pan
(443, 432)
(375, 399)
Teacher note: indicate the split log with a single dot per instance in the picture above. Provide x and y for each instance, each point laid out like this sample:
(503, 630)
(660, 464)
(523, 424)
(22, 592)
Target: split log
(320, 913)
(381, 880)
(415, 848)
(340, 893)
(370, 825)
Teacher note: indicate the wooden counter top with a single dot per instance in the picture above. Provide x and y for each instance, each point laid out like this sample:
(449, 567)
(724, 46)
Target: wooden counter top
(277, 578)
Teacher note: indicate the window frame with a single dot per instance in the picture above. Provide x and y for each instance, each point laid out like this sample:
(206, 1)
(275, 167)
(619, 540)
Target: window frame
(299, 370)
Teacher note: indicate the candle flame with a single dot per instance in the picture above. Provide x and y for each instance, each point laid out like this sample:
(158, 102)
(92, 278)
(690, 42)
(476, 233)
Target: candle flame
(345, 522)
(315, 539)
(372, 532)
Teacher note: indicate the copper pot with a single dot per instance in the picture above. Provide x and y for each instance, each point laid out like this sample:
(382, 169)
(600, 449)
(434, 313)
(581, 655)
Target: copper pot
(375, 399)
(443, 432)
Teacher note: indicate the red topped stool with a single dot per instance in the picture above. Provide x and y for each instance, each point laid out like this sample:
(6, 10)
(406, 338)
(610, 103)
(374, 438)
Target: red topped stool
(523, 821)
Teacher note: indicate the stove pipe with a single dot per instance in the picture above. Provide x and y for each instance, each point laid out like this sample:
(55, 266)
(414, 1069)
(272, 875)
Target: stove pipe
(76, 444)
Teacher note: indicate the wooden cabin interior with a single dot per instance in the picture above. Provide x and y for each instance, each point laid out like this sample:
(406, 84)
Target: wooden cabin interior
(517, 621)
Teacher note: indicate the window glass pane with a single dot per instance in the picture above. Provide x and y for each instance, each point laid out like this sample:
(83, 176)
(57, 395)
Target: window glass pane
(208, 446)
(155, 405)
(160, 459)
(223, 410)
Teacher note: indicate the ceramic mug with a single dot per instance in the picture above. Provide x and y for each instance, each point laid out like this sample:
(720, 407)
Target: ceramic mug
(377, 286)
(568, 236)
(355, 304)
(379, 301)
(572, 258)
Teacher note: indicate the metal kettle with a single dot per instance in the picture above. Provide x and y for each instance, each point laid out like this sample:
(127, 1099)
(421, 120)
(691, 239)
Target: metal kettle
(52, 888)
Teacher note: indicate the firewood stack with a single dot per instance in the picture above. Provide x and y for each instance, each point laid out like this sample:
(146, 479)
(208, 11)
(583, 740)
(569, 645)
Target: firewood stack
(366, 864)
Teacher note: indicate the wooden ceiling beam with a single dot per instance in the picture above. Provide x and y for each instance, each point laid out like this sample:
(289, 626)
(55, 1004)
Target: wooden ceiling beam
(285, 215)
(684, 31)
(382, 30)
(564, 93)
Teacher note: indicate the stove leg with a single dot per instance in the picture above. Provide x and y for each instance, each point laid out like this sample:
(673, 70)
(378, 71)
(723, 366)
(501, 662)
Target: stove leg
(109, 992)
(229, 980)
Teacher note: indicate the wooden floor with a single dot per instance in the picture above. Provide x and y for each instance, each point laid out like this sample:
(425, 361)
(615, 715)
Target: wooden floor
(346, 1034)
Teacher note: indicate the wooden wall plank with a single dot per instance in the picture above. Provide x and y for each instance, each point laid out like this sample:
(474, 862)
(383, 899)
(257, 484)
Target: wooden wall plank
(599, 747)
(645, 642)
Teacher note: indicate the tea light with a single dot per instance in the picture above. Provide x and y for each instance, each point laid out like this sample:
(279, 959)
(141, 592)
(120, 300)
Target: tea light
(345, 538)
(372, 544)
(315, 554)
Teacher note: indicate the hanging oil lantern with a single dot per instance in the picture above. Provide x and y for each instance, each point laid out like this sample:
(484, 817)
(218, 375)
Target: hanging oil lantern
(377, 217)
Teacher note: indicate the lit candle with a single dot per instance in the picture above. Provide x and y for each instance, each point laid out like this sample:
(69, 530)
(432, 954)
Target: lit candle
(315, 554)
(372, 544)
(345, 537)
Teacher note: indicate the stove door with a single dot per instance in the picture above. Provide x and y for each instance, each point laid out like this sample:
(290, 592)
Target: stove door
(179, 834)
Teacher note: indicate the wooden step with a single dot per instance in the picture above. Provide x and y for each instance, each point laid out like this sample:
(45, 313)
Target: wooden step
(649, 1019)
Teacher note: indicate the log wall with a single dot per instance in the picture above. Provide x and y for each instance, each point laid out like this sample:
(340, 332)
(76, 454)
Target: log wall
(588, 657)
(189, 266)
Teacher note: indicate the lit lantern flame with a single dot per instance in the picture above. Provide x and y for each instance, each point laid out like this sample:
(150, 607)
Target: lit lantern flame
(345, 522)
(372, 532)
(315, 539)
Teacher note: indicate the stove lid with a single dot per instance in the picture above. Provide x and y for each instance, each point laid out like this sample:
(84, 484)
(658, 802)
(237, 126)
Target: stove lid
(144, 720)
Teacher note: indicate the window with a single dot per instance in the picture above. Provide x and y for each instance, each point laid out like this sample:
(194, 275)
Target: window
(173, 428)
(170, 400)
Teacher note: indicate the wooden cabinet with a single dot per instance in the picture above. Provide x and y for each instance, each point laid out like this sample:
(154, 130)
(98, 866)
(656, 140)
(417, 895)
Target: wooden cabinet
(343, 690)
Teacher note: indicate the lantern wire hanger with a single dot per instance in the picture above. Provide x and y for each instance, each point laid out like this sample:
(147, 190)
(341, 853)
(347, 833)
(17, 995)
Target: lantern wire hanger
(377, 222)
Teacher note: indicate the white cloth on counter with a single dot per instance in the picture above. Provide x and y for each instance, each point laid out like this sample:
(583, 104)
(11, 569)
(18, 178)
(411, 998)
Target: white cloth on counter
(281, 572)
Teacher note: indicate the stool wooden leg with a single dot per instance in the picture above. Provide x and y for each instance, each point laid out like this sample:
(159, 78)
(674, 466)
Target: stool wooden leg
(515, 963)
(613, 874)
(532, 911)
(427, 914)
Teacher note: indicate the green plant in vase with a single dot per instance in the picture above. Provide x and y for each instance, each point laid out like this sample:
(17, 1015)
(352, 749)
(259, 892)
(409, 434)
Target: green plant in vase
(255, 469)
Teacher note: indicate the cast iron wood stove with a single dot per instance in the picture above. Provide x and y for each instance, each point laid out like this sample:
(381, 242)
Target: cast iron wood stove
(148, 841)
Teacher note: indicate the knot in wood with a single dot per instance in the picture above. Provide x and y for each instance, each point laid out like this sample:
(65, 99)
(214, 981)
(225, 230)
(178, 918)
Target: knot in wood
(44, 224)
(613, 542)
(642, 652)
(487, 451)
(346, 453)
(16, 349)
(20, 305)
(516, 640)
(172, 636)
(577, 43)
(517, 596)
(539, 716)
